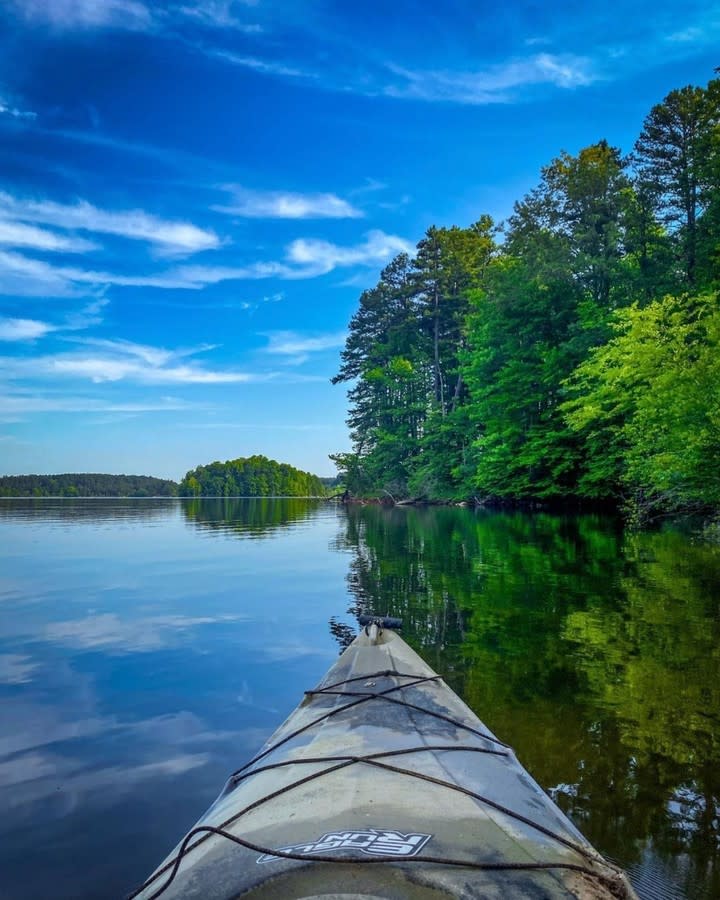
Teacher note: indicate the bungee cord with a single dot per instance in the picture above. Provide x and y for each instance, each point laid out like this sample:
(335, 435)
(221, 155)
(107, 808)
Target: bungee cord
(203, 833)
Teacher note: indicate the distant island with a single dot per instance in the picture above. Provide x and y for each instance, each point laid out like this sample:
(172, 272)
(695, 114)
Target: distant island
(254, 476)
(86, 485)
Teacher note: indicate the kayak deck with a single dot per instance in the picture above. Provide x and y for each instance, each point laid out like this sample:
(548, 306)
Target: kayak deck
(383, 783)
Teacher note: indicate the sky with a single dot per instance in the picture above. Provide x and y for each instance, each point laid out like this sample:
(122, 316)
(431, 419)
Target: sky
(193, 195)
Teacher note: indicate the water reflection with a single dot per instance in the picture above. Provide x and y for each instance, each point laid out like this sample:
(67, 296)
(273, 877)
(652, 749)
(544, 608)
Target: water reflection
(595, 654)
(148, 647)
(90, 510)
(249, 516)
(138, 666)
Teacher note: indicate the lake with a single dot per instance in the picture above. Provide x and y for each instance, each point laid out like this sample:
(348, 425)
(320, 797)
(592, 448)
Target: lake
(148, 648)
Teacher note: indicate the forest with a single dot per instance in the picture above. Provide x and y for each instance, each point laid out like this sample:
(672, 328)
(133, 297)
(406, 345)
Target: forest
(86, 485)
(253, 476)
(571, 353)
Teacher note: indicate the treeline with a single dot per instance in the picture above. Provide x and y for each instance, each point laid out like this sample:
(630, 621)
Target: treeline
(573, 351)
(254, 476)
(86, 485)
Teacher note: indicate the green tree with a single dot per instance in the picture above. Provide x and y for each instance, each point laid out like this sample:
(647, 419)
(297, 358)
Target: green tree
(648, 407)
(254, 476)
(521, 347)
(674, 157)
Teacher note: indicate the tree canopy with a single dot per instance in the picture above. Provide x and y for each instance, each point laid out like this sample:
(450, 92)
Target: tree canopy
(86, 485)
(253, 476)
(570, 352)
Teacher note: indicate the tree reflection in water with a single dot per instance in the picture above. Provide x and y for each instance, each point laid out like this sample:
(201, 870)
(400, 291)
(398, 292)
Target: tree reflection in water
(593, 652)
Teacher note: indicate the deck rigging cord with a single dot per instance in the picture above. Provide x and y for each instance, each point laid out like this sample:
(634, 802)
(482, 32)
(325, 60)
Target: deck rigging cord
(204, 832)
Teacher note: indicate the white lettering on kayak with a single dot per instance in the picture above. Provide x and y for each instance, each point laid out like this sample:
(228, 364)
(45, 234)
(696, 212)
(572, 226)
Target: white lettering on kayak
(374, 841)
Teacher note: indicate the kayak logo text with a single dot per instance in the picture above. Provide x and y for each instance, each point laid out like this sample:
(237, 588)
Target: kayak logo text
(373, 841)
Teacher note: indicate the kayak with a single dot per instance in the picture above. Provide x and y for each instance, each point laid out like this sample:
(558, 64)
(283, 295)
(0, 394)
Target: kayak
(383, 784)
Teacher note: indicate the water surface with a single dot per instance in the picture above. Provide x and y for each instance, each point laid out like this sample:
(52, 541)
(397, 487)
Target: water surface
(148, 647)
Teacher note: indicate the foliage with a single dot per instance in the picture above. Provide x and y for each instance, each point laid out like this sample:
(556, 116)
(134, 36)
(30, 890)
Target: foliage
(86, 485)
(647, 402)
(573, 360)
(254, 476)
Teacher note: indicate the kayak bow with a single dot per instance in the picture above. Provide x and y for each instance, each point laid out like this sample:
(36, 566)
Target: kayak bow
(383, 783)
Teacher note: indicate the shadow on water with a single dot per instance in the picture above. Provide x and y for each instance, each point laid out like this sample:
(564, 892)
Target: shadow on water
(594, 653)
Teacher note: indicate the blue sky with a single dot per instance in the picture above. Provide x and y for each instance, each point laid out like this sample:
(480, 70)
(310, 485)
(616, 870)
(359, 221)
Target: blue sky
(194, 194)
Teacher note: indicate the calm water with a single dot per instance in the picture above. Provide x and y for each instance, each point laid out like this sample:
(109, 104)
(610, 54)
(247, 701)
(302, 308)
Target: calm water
(147, 648)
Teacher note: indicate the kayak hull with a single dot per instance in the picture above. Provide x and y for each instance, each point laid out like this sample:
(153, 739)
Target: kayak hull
(383, 783)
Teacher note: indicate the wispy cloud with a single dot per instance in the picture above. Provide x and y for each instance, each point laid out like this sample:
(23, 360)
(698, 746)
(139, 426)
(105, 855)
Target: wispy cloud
(154, 356)
(220, 14)
(25, 277)
(23, 329)
(304, 258)
(135, 15)
(114, 361)
(16, 668)
(86, 14)
(320, 257)
(264, 66)
(17, 234)
(253, 426)
(495, 84)
(167, 237)
(292, 343)
(8, 109)
(286, 205)
(701, 32)
(16, 404)
(84, 318)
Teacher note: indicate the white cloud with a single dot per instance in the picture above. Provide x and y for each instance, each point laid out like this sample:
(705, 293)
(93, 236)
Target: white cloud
(23, 329)
(166, 236)
(22, 276)
(304, 258)
(265, 67)
(16, 234)
(7, 110)
(27, 277)
(16, 668)
(265, 426)
(88, 316)
(291, 343)
(196, 277)
(107, 368)
(287, 205)
(319, 257)
(219, 14)
(154, 356)
(494, 84)
(15, 329)
(698, 34)
(23, 403)
(133, 15)
(114, 361)
(72, 14)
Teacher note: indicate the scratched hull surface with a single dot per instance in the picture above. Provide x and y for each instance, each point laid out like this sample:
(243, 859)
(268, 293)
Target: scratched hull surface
(462, 818)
